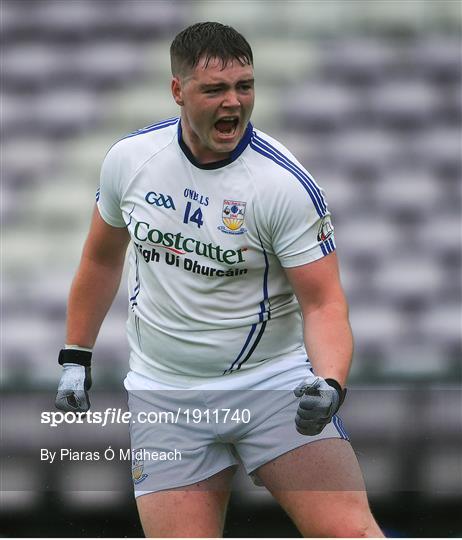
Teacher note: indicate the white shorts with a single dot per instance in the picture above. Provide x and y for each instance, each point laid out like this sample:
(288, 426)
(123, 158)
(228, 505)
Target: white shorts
(180, 436)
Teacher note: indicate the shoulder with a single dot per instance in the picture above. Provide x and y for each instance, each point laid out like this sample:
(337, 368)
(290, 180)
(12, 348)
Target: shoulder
(263, 143)
(278, 172)
(136, 147)
(273, 159)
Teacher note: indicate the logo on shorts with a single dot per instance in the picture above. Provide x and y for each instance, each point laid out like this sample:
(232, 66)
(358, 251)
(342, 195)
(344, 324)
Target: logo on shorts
(138, 466)
(233, 217)
(325, 229)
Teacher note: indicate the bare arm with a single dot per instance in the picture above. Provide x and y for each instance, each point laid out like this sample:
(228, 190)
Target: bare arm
(96, 282)
(327, 331)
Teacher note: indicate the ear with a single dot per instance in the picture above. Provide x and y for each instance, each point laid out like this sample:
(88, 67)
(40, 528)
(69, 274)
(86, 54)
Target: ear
(177, 91)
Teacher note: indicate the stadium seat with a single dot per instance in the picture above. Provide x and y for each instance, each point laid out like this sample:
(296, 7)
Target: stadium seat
(242, 19)
(376, 324)
(22, 362)
(445, 403)
(443, 468)
(380, 468)
(443, 324)
(17, 117)
(407, 275)
(96, 499)
(409, 190)
(20, 172)
(281, 63)
(415, 357)
(374, 237)
(359, 61)
(20, 500)
(315, 105)
(142, 20)
(363, 149)
(62, 113)
(438, 148)
(343, 197)
(32, 66)
(443, 237)
(108, 64)
(70, 20)
(388, 418)
(141, 106)
(403, 104)
(437, 58)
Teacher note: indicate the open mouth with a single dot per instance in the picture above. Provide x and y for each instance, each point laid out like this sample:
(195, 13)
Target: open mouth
(227, 125)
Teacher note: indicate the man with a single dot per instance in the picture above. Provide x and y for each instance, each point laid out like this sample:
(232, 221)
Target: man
(233, 271)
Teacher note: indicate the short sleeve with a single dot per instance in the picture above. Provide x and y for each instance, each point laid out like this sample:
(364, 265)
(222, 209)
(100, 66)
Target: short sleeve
(108, 195)
(301, 224)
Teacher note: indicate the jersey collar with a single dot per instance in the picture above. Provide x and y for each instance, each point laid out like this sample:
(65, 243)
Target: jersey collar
(223, 162)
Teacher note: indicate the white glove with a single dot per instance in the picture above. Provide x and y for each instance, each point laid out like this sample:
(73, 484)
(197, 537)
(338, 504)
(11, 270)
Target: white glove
(320, 400)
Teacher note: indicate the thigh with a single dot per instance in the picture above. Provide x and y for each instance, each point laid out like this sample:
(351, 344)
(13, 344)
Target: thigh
(196, 510)
(320, 486)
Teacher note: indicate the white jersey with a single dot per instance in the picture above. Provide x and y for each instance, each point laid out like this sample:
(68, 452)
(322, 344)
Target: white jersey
(207, 288)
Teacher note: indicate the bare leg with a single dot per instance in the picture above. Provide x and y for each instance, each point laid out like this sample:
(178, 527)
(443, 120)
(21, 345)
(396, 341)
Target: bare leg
(321, 488)
(197, 510)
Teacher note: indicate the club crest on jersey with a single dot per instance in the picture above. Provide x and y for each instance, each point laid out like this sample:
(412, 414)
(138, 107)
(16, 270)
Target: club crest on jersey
(325, 229)
(138, 466)
(233, 213)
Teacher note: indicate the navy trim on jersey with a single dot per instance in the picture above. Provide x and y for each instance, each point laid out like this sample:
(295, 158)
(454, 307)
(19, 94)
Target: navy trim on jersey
(136, 290)
(138, 331)
(131, 216)
(147, 129)
(337, 421)
(265, 283)
(263, 310)
(153, 127)
(243, 143)
(328, 246)
(247, 341)
(266, 149)
(254, 346)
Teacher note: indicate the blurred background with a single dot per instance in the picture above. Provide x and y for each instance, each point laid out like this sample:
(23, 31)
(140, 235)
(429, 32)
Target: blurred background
(367, 96)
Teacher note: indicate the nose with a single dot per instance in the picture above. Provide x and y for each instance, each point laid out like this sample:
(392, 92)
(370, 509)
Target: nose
(230, 100)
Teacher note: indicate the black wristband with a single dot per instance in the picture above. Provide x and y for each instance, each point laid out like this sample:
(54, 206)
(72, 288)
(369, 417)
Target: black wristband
(341, 391)
(74, 356)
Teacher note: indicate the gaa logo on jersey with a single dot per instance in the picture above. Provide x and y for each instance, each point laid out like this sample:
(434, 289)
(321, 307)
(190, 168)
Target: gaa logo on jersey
(138, 466)
(233, 217)
(325, 229)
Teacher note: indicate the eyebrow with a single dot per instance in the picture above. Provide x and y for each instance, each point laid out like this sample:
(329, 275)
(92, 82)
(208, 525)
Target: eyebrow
(223, 84)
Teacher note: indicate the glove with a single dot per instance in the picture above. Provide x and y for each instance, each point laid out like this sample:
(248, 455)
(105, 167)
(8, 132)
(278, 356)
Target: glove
(320, 400)
(75, 380)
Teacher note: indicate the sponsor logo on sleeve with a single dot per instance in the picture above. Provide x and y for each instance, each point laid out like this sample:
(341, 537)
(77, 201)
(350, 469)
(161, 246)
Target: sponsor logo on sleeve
(326, 229)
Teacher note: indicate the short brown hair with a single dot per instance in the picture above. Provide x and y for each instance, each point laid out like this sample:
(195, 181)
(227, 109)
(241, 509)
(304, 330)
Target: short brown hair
(208, 40)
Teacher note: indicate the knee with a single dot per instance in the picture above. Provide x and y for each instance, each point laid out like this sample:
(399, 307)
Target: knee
(361, 527)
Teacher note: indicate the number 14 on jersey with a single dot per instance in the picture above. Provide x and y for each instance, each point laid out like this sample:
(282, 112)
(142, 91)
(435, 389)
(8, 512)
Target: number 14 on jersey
(195, 217)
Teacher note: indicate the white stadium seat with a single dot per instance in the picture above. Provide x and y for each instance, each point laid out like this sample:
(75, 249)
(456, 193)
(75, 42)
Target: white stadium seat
(402, 102)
